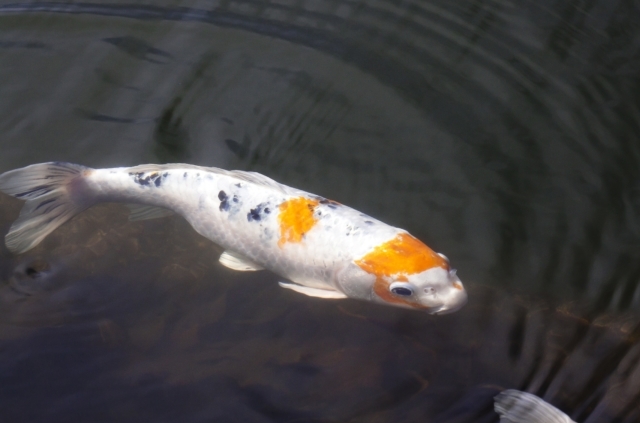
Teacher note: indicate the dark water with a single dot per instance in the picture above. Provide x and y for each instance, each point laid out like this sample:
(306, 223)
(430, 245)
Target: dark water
(505, 134)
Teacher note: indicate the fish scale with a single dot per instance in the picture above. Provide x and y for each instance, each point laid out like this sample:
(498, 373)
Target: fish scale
(326, 249)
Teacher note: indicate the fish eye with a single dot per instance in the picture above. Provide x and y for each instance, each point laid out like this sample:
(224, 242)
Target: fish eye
(444, 257)
(402, 289)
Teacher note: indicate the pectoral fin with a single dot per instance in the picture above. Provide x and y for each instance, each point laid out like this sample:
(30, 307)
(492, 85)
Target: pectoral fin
(236, 261)
(313, 292)
(521, 407)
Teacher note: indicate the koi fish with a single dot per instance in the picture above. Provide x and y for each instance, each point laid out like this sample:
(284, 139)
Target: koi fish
(515, 406)
(324, 249)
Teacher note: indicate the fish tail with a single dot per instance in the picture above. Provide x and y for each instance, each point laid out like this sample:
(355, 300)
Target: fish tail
(53, 194)
(515, 406)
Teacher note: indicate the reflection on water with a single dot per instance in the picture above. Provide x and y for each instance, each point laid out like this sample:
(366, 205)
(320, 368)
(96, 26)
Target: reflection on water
(504, 134)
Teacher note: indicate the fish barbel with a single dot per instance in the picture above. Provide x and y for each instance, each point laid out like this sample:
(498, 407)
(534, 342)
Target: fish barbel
(324, 248)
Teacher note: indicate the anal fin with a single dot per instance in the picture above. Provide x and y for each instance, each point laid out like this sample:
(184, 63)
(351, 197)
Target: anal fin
(236, 261)
(144, 212)
(313, 292)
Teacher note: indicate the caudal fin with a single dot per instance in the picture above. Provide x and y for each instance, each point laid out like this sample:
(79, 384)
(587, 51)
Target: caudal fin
(521, 407)
(46, 187)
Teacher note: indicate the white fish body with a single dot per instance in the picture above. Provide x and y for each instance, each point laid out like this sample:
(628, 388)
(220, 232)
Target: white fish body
(327, 249)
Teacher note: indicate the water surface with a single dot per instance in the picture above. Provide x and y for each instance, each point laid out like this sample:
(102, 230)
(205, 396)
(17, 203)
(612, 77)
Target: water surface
(502, 133)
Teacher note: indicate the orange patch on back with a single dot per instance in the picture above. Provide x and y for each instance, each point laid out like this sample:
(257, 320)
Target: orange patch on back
(296, 218)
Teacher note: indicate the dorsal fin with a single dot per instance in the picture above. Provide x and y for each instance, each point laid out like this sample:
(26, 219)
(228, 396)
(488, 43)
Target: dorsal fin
(257, 179)
(246, 176)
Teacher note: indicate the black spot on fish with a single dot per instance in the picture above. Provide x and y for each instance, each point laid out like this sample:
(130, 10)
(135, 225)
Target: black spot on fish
(139, 179)
(224, 201)
(258, 213)
(239, 185)
(350, 230)
(158, 181)
(185, 175)
(145, 180)
(368, 222)
(235, 198)
(254, 214)
(330, 203)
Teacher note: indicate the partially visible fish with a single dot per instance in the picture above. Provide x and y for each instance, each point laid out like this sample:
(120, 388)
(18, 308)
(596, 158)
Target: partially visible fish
(515, 406)
(326, 249)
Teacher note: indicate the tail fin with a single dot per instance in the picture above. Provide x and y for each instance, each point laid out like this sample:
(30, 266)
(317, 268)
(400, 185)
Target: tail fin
(521, 407)
(46, 189)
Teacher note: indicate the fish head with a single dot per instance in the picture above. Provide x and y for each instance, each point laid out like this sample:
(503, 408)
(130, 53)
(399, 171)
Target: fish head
(404, 272)
(437, 291)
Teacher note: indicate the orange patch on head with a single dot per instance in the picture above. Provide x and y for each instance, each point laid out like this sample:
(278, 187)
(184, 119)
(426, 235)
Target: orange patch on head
(403, 255)
(296, 218)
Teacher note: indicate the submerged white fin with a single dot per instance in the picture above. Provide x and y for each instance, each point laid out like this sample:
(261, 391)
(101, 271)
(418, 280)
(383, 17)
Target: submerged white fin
(142, 212)
(313, 292)
(236, 261)
(521, 407)
(46, 188)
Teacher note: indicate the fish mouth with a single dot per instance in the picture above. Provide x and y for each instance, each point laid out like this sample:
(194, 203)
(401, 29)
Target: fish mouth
(444, 310)
(451, 309)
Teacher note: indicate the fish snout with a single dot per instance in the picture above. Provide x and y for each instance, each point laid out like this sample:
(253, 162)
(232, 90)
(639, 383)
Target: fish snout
(455, 298)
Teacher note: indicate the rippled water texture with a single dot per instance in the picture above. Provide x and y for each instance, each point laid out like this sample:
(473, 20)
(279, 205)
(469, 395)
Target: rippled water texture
(502, 133)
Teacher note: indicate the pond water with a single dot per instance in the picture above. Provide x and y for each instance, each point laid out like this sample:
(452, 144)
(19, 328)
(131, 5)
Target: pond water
(503, 133)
